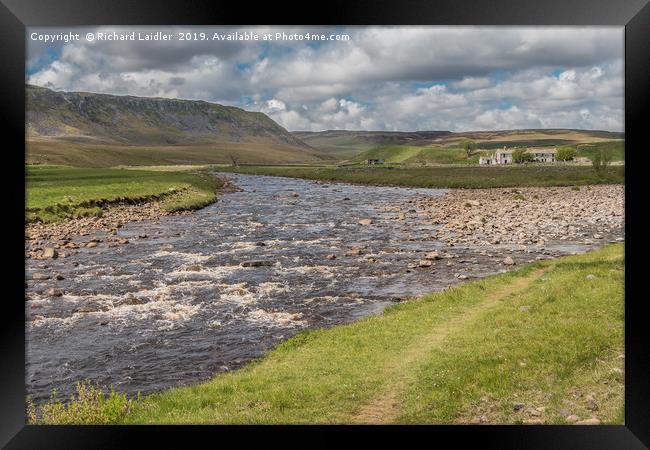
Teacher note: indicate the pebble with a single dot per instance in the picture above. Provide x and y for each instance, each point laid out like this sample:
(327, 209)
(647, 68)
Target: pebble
(50, 253)
(592, 421)
(40, 276)
(533, 422)
(54, 292)
(256, 263)
(432, 255)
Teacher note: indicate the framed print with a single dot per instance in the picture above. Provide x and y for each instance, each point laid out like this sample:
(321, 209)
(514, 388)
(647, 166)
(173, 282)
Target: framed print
(400, 219)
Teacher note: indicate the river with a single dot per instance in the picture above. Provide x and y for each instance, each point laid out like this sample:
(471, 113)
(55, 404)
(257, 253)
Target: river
(180, 305)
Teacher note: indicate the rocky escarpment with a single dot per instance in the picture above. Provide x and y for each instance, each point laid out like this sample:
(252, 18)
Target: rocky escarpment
(147, 121)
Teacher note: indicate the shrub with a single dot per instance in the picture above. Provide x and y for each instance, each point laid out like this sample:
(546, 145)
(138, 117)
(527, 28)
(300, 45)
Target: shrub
(601, 159)
(88, 405)
(521, 156)
(469, 146)
(565, 153)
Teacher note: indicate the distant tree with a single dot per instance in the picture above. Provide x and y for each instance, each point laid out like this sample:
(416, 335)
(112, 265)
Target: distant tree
(595, 162)
(606, 156)
(235, 159)
(601, 159)
(565, 153)
(520, 156)
(469, 146)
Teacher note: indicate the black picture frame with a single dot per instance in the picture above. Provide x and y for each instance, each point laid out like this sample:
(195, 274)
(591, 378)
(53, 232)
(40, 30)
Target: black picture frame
(16, 15)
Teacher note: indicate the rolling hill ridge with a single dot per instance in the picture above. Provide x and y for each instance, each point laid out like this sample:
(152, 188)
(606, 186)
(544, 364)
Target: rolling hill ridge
(101, 129)
(357, 145)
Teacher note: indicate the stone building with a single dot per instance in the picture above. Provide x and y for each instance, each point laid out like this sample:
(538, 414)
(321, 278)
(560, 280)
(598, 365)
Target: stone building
(504, 156)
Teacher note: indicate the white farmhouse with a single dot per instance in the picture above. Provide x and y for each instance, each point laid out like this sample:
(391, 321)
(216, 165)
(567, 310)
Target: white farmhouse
(504, 156)
(541, 154)
(501, 156)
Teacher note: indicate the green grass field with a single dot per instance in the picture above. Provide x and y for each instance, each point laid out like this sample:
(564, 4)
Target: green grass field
(346, 145)
(445, 177)
(539, 343)
(417, 155)
(437, 155)
(55, 193)
(616, 148)
(69, 152)
(493, 145)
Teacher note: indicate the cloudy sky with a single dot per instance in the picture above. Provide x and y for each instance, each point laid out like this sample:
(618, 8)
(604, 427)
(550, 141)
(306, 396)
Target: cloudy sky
(382, 78)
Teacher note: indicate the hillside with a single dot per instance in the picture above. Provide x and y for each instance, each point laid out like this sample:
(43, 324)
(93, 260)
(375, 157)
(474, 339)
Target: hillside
(344, 144)
(350, 144)
(100, 129)
(434, 155)
(412, 155)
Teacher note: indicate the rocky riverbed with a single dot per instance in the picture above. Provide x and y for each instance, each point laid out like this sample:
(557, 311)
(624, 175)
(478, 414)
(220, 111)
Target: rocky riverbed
(52, 240)
(509, 226)
(526, 216)
(167, 300)
(55, 240)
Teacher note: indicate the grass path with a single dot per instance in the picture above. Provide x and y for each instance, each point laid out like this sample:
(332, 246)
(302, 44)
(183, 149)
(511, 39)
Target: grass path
(543, 343)
(385, 408)
(537, 344)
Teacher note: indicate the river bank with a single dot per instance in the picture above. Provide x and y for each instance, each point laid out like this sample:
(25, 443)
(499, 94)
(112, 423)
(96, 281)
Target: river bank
(525, 216)
(539, 345)
(208, 292)
(54, 239)
(445, 177)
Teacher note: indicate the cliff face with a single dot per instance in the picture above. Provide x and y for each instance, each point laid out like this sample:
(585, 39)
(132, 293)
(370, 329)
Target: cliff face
(147, 121)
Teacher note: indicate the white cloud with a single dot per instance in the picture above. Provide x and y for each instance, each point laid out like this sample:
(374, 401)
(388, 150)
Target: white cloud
(471, 83)
(569, 75)
(395, 78)
(275, 105)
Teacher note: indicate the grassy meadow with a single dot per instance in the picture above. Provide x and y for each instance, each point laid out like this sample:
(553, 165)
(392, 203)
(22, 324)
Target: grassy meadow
(445, 177)
(615, 148)
(56, 193)
(69, 152)
(347, 145)
(417, 155)
(541, 344)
